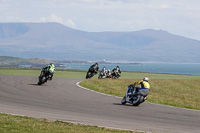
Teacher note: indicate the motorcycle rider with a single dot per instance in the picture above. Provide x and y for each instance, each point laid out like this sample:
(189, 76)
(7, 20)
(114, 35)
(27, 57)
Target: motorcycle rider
(94, 68)
(108, 73)
(49, 69)
(104, 72)
(145, 87)
(116, 71)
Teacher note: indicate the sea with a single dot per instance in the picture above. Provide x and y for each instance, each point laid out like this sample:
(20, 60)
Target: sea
(185, 69)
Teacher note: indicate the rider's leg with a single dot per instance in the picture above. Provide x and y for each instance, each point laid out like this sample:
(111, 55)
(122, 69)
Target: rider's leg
(51, 76)
(129, 91)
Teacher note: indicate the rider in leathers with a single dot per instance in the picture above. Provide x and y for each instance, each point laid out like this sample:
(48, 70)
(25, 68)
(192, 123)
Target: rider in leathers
(116, 71)
(49, 70)
(104, 71)
(145, 87)
(94, 68)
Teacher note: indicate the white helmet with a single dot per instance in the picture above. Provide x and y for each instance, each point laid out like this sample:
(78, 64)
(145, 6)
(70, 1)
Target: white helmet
(146, 79)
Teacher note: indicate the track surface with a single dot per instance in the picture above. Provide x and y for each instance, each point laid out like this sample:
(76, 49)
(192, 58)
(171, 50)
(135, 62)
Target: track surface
(61, 99)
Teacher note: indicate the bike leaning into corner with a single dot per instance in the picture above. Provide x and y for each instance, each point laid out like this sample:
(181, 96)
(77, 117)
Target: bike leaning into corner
(137, 95)
(92, 71)
(46, 74)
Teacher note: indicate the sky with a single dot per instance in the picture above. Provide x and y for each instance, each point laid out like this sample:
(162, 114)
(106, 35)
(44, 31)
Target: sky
(179, 17)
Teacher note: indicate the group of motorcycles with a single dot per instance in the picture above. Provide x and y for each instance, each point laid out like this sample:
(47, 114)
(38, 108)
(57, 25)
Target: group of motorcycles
(136, 98)
(109, 74)
(104, 73)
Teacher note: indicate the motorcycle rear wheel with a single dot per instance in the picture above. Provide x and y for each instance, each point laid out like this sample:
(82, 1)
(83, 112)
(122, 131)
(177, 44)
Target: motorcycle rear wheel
(88, 75)
(138, 100)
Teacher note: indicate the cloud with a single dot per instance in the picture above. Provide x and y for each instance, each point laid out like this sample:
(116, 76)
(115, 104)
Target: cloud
(180, 17)
(70, 23)
(51, 18)
(55, 18)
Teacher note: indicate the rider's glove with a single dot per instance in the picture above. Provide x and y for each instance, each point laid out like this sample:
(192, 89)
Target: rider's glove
(135, 83)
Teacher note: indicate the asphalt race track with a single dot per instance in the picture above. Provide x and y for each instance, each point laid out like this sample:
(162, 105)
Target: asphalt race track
(61, 99)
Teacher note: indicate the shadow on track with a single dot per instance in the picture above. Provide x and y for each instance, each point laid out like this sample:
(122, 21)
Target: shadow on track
(130, 105)
(34, 84)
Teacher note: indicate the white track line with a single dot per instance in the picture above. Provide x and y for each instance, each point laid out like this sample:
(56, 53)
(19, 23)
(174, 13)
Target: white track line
(96, 91)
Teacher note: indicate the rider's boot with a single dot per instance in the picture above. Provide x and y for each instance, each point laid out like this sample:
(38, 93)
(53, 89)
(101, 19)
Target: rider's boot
(145, 99)
(129, 94)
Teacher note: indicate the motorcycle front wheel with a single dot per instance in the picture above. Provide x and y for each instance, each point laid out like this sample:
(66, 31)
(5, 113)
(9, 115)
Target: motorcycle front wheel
(88, 75)
(41, 80)
(123, 101)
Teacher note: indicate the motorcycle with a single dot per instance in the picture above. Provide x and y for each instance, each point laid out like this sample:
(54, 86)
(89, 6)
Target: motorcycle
(135, 98)
(92, 71)
(90, 74)
(115, 75)
(106, 74)
(101, 75)
(44, 76)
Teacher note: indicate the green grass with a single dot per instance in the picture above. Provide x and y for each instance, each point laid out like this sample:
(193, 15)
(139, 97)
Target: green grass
(138, 75)
(168, 89)
(179, 93)
(19, 124)
(36, 72)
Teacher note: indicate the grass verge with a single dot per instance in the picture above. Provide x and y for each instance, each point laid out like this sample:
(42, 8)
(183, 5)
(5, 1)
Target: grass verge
(179, 93)
(67, 73)
(19, 124)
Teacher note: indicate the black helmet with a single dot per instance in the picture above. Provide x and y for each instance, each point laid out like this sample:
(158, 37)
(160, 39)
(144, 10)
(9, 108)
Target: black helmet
(52, 65)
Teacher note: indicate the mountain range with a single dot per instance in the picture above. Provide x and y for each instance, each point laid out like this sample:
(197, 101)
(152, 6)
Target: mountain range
(56, 41)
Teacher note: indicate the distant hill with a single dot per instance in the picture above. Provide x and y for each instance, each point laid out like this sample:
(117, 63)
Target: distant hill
(37, 62)
(56, 41)
(15, 61)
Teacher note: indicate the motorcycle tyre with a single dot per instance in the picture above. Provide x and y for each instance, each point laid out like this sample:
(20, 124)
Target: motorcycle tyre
(141, 99)
(88, 75)
(41, 80)
(123, 101)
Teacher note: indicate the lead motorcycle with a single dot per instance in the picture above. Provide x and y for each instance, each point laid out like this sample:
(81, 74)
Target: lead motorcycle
(44, 76)
(135, 98)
